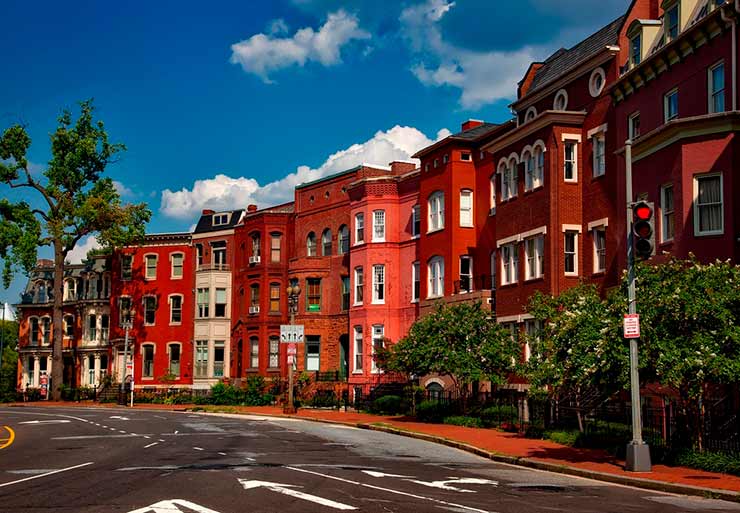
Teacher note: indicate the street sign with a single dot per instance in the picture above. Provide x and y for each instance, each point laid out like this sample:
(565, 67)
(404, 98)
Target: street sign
(292, 349)
(291, 333)
(631, 325)
(44, 381)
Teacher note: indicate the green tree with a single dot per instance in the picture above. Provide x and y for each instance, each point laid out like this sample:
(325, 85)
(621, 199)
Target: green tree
(9, 360)
(579, 348)
(76, 201)
(690, 327)
(461, 341)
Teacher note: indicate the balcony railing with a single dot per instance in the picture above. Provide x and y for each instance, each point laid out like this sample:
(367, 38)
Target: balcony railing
(480, 282)
(213, 267)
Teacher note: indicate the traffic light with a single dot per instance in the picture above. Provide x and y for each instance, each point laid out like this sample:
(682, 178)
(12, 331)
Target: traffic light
(643, 235)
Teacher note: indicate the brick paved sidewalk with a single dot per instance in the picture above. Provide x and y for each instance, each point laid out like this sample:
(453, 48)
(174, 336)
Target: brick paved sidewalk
(509, 447)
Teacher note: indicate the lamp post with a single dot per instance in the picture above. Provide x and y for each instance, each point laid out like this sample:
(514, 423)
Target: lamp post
(126, 327)
(2, 340)
(293, 290)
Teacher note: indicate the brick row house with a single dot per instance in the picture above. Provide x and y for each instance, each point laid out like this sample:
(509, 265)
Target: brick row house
(492, 213)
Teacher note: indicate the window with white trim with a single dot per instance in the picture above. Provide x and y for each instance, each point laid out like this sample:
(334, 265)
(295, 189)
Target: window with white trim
(358, 285)
(254, 353)
(671, 22)
(570, 162)
(533, 329)
(708, 206)
(147, 359)
(275, 243)
(274, 360)
(534, 249)
(378, 342)
(311, 244)
(378, 284)
(667, 215)
(126, 267)
(125, 312)
(34, 330)
(670, 105)
(492, 192)
(599, 235)
(509, 181)
(201, 359)
(203, 301)
(633, 125)
(509, 263)
(151, 267)
(570, 249)
(415, 281)
(636, 49)
(561, 100)
(466, 207)
(436, 275)
(343, 240)
(175, 309)
(598, 144)
(176, 261)
(415, 220)
(716, 87)
(528, 159)
(150, 309)
(326, 242)
(466, 273)
(378, 225)
(359, 228)
(596, 82)
(173, 353)
(69, 326)
(219, 307)
(359, 363)
(436, 207)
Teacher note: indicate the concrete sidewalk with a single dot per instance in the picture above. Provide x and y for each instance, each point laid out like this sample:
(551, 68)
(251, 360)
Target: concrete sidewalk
(504, 447)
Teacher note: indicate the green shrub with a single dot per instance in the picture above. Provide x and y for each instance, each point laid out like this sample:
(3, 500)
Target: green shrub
(462, 420)
(567, 437)
(324, 399)
(388, 404)
(709, 461)
(222, 394)
(431, 411)
(497, 415)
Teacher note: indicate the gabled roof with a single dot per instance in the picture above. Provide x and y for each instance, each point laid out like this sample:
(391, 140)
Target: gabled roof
(472, 135)
(205, 223)
(563, 60)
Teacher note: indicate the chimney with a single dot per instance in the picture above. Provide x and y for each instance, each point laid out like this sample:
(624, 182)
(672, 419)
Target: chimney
(208, 212)
(471, 123)
(400, 167)
(252, 208)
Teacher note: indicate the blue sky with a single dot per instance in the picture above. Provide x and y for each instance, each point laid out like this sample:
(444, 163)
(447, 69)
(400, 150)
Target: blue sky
(222, 104)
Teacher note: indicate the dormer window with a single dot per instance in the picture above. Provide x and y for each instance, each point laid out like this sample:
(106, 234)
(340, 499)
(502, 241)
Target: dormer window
(561, 100)
(671, 21)
(220, 219)
(635, 49)
(530, 115)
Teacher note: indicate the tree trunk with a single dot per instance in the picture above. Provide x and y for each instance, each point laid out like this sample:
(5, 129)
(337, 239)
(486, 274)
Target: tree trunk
(57, 366)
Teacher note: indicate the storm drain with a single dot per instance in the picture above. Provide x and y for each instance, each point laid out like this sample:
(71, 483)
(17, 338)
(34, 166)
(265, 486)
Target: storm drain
(540, 487)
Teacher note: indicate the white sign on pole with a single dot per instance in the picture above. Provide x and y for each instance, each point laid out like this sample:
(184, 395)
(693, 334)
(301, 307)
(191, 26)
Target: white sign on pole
(291, 333)
(292, 349)
(631, 325)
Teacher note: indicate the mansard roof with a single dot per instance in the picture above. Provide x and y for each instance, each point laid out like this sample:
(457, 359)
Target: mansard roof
(471, 135)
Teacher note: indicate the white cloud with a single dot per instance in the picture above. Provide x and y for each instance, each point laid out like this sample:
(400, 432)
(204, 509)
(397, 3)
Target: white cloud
(262, 54)
(482, 76)
(79, 252)
(223, 192)
(6, 312)
(122, 189)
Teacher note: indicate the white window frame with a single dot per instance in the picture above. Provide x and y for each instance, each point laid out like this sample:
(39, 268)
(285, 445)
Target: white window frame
(534, 248)
(593, 89)
(528, 159)
(359, 228)
(635, 116)
(636, 37)
(666, 29)
(492, 197)
(667, 215)
(569, 139)
(378, 284)
(378, 226)
(144, 309)
(169, 358)
(143, 362)
(469, 275)
(253, 362)
(509, 263)
(560, 97)
(358, 364)
(599, 157)
(666, 104)
(436, 212)
(378, 337)
(573, 231)
(595, 228)
(530, 114)
(538, 158)
(711, 93)
(436, 277)
(415, 220)
(172, 309)
(173, 256)
(273, 352)
(466, 213)
(147, 257)
(721, 230)
(359, 285)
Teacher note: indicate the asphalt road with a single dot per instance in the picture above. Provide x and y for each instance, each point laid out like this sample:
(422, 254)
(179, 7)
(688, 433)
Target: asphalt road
(119, 460)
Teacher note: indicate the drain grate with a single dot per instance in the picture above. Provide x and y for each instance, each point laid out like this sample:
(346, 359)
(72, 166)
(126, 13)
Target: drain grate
(540, 487)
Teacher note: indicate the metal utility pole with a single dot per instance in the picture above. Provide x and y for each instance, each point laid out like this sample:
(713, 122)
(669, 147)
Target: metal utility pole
(293, 291)
(122, 388)
(638, 452)
(2, 341)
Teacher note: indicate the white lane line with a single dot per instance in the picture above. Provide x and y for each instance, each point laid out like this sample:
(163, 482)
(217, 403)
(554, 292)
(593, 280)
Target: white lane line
(198, 448)
(123, 432)
(222, 453)
(55, 421)
(112, 429)
(150, 445)
(391, 490)
(160, 440)
(89, 437)
(47, 474)
(147, 437)
(102, 425)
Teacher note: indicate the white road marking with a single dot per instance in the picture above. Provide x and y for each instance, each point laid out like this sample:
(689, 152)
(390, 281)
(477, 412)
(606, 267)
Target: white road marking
(122, 432)
(112, 429)
(286, 489)
(198, 448)
(160, 440)
(147, 437)
(119, 417)
(90, 437)
(30, 471)
(446, 485)
(176, 431)
(58, 421)
(373, 473)
(47, 474)
(150, 445)
(391, 490)
(222, 453)
(170, 506)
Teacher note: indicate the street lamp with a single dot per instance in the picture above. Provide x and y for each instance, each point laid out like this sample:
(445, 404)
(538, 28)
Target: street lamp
(293, 290)
(126, 326)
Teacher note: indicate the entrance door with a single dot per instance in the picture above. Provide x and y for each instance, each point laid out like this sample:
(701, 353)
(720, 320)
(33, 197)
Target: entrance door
(344, 355)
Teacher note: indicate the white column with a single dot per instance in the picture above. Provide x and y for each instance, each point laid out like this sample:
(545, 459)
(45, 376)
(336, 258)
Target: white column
(97, 369)
(36, 370)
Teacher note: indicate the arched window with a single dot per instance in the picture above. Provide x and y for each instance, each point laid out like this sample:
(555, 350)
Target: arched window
(34, 330)
(435, 277)
(530, 115)
(436, 209)
(311, 244)
(70, 289)
(539, 166)
(326, 243)
(255, 244)
(528, 160)
(254, 353)
(561, 100)
(343, 242)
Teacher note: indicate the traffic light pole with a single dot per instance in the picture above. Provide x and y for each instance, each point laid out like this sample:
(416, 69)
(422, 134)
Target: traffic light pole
(638, 452)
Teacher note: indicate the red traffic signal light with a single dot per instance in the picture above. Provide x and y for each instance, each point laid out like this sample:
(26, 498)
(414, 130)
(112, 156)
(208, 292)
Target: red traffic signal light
(643, 240)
